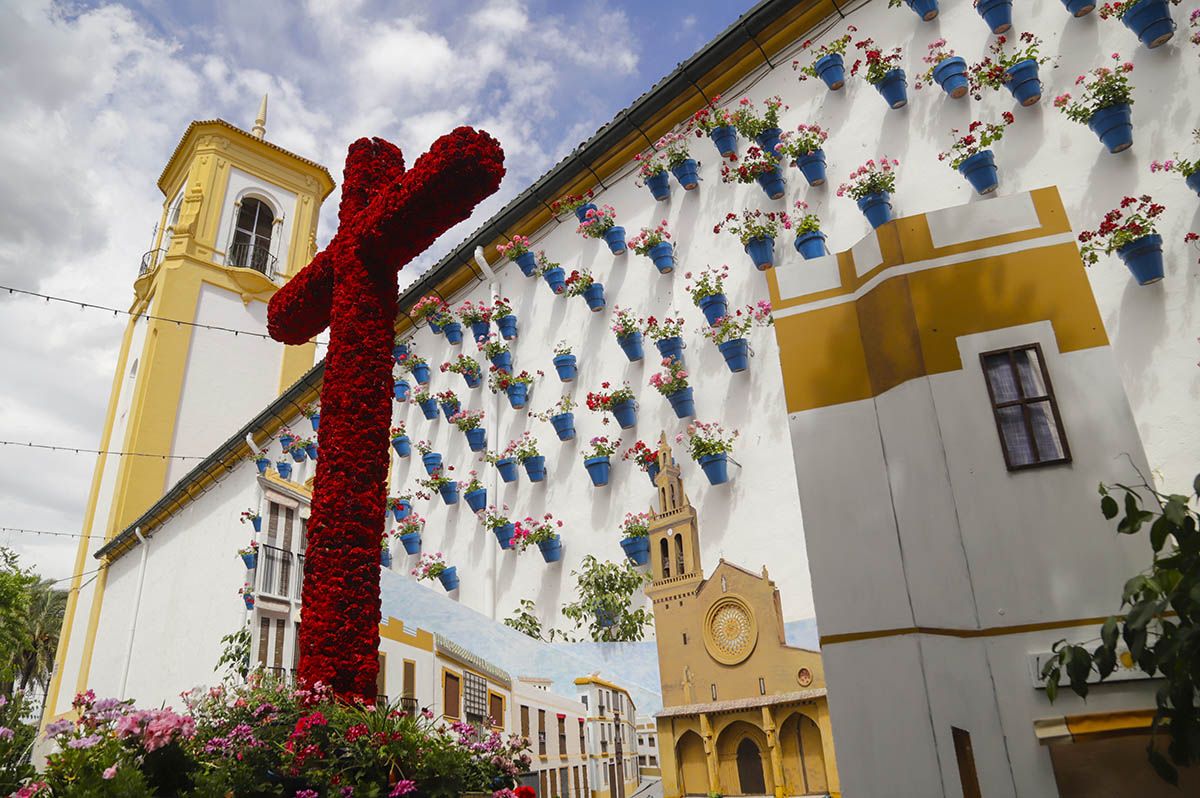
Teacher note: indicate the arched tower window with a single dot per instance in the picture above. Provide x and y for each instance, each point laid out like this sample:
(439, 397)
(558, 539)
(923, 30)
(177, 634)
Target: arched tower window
(665, 552)
(679, 553)
(251, 248)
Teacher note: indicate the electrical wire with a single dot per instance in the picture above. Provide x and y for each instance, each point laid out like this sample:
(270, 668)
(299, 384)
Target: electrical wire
(78, 450)
(45, 532)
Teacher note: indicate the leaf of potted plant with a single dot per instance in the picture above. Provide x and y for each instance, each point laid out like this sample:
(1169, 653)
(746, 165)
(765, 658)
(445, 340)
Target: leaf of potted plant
(997, 14)
(474, 492)
(946, 69)
(635, 537)
(249, 555)
(673, 384)
(579, 203)
(829, 64)
(506, 320)
(674, 147)
(628, 329)
(729, 333)
(707, 290)
(764, 130)
(652, 173)
(655, 243)
(409, 533)
(883, 72)
(468, 422)
(1149, 19)
(927, 10)
(757, 231)
(581, 283)
(1128, 230)
(1104, 105)
(525, 450)
(644, 457)
(1016, 71)
(544, 532)
(426, 401)
(564, 362)
(718, 125)
(809, 241)
(431, 459)
(620, 402)
(497, 520)
(871, 186)
(602, 223)
(433, 566)
(466, 366)
(518, 251)
(803, 148)
(710, 445)
(552, 273)
(561, 417)
(443, 482)
(597, 458)
(1189, 169)
(667, 334)
(254, 517)
(971, 156)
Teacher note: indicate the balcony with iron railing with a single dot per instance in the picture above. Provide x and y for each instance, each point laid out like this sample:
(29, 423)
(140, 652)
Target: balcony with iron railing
(249, 256)
(280, 573)
(150, 260)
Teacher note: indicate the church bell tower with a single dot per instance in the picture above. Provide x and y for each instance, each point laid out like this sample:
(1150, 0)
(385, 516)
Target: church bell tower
(674, 535)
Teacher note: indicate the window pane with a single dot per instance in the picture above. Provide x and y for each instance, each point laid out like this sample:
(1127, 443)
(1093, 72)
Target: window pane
(264, 222)
(1016, 435)
(1001, 378)
(1045, 431)
(1030, 369)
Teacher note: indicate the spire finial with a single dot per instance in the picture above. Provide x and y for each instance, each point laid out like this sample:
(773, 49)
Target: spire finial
(664, 452)
(260, 122)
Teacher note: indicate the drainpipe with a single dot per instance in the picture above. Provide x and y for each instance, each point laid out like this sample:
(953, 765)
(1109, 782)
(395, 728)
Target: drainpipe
(137, 603)
(493, 435)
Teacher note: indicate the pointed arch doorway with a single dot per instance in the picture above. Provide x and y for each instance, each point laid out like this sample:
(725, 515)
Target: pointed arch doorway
(750, 768)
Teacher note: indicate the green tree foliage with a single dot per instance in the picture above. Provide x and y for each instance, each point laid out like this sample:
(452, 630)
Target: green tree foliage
(43, 622)
(1162, 626)
(235, 654)
(605, 592)
(15, 596)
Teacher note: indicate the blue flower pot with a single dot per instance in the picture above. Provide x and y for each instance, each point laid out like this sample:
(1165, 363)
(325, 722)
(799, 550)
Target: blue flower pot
(582, 211)
(449, 578)
(1151, 21)
(402, 510)
(315, 421)
(504, 535)
(399, 351)
(507, 326)
(449, 409)
(507, 466)
(715, 467)
(551, 549)
(429, 408)
(769, 139)
(385, 557)
(480, 329)
(925, 9)
(687, 173)
(411, 542)
(261, 464)
(772, 183)
(1023, 82)
(631, 345)
(476, 499)
(432, 461)
(810, 245)
(682, 403)
(1144, 259)
(725, 137)
(400, 389)
(625, 413)
(652, 472)
(637, 549)
(812, 166)
(402, 445)
(535, 468)
(250, 560)
(435, 327)
(286, 441)
(299, 455)
(420, 373)
(660, 185)
(555, 278)
(980, 171)
(663, 256)
(831, 69)
(1080, 8)
(1193, 181)
(256, 523)
(518, 394)
(598, 469)
(249, 601)
(472, 378)
(453, 331)
(951, 74)
(670, 347)
(615, 238)
(449, 493)
(996, 13)
(714, 307)
(736, 353)
(1114, 127)
(762, 252)
(564, 426)
(311, 450)
(284, 468)
(477, 439)
(894, 88)
(503, 360)
(594, 296)
(566, 367)
(527, 263)
(877, 208)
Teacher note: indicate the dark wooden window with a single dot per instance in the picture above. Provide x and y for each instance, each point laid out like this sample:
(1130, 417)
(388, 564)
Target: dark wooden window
(542, 732)
(562, 735)
(450, 694)
(965, 756)
(525, 721)
(496, 710)
(1027, 419)
(582, 739)
(410, 679)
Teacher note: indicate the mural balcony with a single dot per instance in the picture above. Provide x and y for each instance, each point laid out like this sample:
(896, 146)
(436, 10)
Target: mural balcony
(249, 256)
(150, 260)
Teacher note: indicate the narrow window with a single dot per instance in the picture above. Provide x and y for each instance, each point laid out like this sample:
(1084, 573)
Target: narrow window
(525, 721)
(496, 710)
(679, 554)
(251, 247)
(542, 732)
(450, 695)
(685, 638)
(664, 548)
(714, 692)
(1027, 417)
(762, 686)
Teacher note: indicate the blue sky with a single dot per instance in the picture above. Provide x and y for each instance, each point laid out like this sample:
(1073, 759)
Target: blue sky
(98, 94)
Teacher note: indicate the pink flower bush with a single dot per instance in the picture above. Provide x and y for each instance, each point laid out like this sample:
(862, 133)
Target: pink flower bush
(871, 178)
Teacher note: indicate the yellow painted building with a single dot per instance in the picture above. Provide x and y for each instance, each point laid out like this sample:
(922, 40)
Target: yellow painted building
(743, 712)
